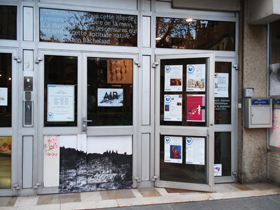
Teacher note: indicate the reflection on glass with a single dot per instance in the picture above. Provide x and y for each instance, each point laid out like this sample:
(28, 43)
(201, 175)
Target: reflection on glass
(67, 26)
(110, 91)
(5, 162)
(60, 70)
(8, 22)
(195, 34)
(181, 171)
(223, 91)
(5, 90)
(183, 92)
(223, 151)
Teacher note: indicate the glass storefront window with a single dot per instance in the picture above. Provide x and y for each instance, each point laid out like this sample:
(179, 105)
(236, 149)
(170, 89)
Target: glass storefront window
(8, 22)
(5, 162)
(222, 93)
(5, 90)
(183, 159)
(110, 91)
(274, 67)
(223, 152)
(183, 88)
(67, 26)
(60, 97)
(194, 34)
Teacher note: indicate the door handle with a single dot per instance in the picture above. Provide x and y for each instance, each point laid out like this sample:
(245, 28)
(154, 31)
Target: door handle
(85, 123)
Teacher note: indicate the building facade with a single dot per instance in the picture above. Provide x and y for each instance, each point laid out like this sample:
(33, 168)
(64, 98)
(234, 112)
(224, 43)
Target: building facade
(98, 95)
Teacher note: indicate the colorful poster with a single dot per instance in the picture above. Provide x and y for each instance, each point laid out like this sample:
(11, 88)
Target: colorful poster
(195, 108)
(173, 78)
(61, 103)
(221, 85)
(196, 77)
(51, 161)
(195, 151)
(217, 169)
(110, 97)
(173, 149)
(3, 96)
(275, 130)
(172, 107)
(119, 71)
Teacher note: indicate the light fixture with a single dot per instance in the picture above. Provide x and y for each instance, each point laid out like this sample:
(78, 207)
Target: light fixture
(189, 20)
(10, 78)
(158, 38)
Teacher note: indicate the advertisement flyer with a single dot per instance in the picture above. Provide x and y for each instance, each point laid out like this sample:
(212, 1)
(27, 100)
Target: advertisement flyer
(3, 96)
(172, 149)
(61, 103)
(172, 107)
(217, 169)
(221, 85)
(196, 77)
(195, 151)
(195, 108)
(110, 97)
(173, 78)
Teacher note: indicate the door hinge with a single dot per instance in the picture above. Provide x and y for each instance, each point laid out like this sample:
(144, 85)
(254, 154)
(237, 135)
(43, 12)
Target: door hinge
(137, 179)
(137, 63)
(37, 185)
(235, 66)
(17, 59)
(154, 178)
(234, 173)
(155, 64)
(38, 59)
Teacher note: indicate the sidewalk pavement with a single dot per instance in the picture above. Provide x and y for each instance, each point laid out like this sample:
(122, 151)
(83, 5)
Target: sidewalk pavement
(225, 196)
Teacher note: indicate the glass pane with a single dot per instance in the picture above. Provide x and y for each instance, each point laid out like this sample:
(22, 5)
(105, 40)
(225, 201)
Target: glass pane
(223, 151)
(8, 22)
(183, 92)
(5, 90)
(183, 159)
(5, 162)
(60, 90)
(275, 42)
(67, 26)
(222, 93)
(110, 91)
(195, 34)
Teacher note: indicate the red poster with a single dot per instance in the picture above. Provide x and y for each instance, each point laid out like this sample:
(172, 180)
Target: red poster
(195, 108)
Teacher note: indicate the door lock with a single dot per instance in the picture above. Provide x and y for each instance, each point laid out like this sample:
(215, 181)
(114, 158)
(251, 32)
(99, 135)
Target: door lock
(211, 124)
(85, 121)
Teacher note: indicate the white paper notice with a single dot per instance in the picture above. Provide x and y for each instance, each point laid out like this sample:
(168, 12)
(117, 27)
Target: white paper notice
(221, 85)
(195, 151)
(196, 77)
(172, 149)
(109, 97)
(173, 78)
(172, 107)
(61, 103)
(217, 169)
(3, 96)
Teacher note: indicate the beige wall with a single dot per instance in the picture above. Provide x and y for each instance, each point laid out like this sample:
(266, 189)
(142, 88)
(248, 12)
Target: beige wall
(252, 155)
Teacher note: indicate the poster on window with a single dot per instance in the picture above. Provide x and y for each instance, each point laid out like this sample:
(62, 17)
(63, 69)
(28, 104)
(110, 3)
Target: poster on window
(173, 78)
(274, 79)
(172, 107)
(217, 169)
(196, 77)
(119, 71)
(275, 130)
(110, 97)
(173, 149)
(3, 96)
(61, 103)
(221, 85)
(195, 108)
(195, 151)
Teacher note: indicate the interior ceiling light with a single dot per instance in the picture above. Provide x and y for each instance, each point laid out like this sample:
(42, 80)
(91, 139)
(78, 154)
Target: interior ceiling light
(189, 20)
(158, 38)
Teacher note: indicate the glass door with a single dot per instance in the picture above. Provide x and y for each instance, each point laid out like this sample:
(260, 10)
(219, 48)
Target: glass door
(184, 129)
